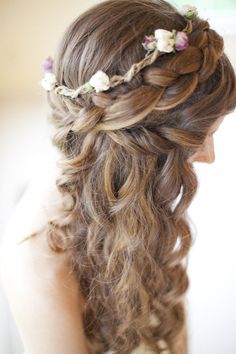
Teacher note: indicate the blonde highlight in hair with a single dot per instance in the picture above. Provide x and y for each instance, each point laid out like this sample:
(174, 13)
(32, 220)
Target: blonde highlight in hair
(124, 169)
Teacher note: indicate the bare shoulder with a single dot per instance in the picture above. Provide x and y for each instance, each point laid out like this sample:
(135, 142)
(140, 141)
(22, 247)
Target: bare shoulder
(44, 298)
(40, 201)
(31, 258)
(40, 284)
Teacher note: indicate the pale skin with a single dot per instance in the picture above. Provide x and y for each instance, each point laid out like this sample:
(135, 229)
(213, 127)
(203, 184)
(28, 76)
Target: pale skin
(41, 290)
(43, 294)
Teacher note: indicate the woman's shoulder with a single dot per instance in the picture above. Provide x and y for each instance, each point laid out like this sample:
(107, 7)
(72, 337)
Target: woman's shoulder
(19, 250)
(31, 258)
(40, 201)
(44, 296)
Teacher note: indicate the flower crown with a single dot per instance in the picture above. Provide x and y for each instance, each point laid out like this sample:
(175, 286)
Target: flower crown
(161, 42)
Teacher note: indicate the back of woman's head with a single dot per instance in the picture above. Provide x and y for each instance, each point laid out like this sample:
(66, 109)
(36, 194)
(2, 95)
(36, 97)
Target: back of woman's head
(125, 162)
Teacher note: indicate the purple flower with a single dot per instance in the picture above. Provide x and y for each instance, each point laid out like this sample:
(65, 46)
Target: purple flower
(181, 41)
(149, 43)
(48, 65)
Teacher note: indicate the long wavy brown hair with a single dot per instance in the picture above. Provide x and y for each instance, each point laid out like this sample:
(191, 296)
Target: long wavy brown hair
(125, 179)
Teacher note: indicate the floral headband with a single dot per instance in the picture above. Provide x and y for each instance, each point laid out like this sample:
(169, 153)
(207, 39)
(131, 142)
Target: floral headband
(161, 42)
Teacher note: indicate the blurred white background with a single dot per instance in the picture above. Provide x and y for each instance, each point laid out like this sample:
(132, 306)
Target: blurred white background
(30, 32)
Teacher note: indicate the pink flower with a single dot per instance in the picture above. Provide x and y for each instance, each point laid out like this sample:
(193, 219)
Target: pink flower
(47, 65)
(149, 43)
(181, 41)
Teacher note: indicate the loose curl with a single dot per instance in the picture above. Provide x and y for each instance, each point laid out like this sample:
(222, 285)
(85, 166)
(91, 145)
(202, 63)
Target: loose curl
(125, 179)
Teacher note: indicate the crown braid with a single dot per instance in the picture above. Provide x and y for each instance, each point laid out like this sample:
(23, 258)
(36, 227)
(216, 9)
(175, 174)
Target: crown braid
(166, 86)
(163, 41)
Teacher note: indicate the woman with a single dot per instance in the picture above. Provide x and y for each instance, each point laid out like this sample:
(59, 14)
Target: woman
(101, 268)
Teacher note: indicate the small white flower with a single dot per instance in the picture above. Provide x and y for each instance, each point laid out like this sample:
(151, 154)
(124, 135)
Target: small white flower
(189, 11)
(100, 81)
(165, 40)
(166, 46)
(48, 82)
